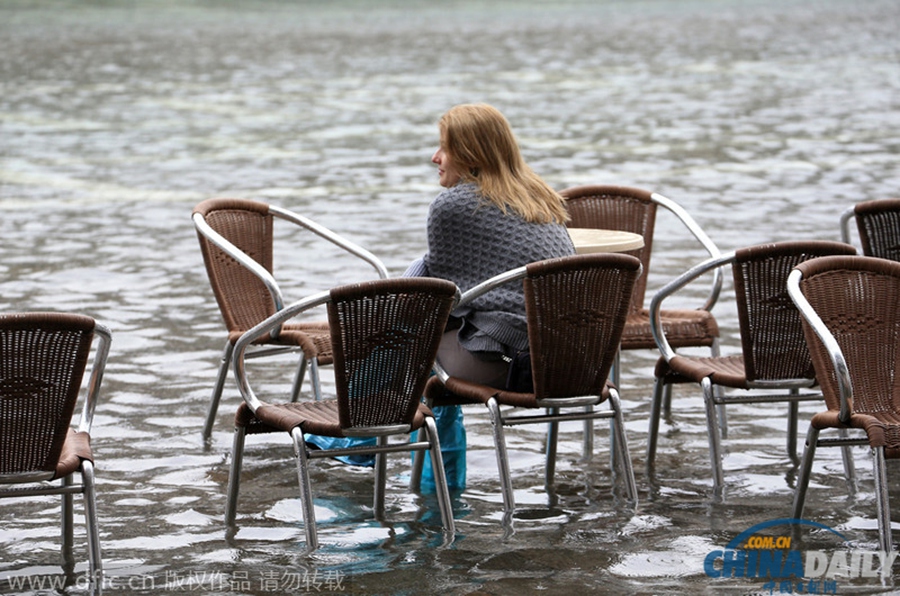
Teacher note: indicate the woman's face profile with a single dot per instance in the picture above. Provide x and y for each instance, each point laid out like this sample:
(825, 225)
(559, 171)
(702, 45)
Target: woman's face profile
(448, 174)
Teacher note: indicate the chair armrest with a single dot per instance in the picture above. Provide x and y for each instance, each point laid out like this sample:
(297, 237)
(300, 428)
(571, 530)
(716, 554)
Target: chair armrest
(241, 257)
(845, 387)
(702, 237)
(104, 337)
(713, 263)
(332, 237)
(267, 326)
(476, 291)
(846, 216)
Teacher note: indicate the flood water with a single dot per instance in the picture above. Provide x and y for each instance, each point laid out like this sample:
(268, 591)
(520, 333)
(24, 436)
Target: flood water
(764, 119)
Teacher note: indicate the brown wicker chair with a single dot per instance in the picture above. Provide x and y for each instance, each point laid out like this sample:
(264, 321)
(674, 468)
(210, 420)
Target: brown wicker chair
(852, 327)
(43, 358)
(878, 224)
(774, 356)
(236, 238)
(576, 308)
(634, 210)
(385, 336)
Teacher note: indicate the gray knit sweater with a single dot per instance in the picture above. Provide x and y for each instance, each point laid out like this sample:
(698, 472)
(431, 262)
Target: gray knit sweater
(471, 240)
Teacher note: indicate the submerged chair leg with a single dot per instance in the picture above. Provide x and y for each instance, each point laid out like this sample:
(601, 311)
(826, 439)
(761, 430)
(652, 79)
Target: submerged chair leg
(309, 510)
(882, 501)
(793, 415)
(217, 390)
(719, 393)
(712, 428)
(659, 388)
(847, 457)
(587, 452)
(509, 499)
(92, 524)
(552, 442)
(234, 477)
(68, 526)
(440, 480)
(809, 453)
(380, 480)
(619, 444)
(418, 463)
(587, 449)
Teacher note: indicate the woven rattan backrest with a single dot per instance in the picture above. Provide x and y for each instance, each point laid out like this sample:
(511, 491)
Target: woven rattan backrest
(42, 361)
(772, 338)
(576, 308)
(616, 208)
(242, 297)
(385, 336)
(878, 223)
(857, 298)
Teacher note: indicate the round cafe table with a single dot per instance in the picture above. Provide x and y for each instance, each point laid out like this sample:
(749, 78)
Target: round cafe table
(590, 240)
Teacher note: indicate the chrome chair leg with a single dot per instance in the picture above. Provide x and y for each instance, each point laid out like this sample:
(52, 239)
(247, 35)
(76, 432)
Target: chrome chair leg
(849, 466)
(712, 428)
(659, 388)
(380, 480)
(217, 390)
(309, 509)
(719, 393)
(552, 442)
(440, 481)
(95, 558)
(509, 499)
(68, 525)
(620, 445)
(299, 375)
(793, 415)
(314, 380)
(615, 375)
(882, 501)
(587, 449)
(418, 463)
(809, 453)
(234, 476)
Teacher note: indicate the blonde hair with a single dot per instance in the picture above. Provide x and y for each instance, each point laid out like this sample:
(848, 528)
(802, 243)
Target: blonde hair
(481, 144)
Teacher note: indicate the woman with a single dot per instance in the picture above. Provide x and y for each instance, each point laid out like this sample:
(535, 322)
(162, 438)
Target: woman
(495, 214)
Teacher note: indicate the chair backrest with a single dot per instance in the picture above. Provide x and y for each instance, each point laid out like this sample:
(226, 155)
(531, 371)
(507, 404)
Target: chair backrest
(616, 208)
(772, 340)
(878, 223)
(385, 335)
(856, 299)
(43, 357)
(243, 298)
(576, 309)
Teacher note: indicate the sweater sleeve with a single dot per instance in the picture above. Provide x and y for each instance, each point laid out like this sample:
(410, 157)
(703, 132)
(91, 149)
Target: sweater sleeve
(417, 269)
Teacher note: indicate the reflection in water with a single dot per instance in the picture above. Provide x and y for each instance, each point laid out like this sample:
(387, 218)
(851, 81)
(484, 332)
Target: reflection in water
(763, 119)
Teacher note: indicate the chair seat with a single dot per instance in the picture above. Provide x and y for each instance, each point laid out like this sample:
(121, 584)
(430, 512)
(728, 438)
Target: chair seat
(457, 391)
(727, 371)
(881, 428)
(683, 328)
(313, 338)
(316, 417)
